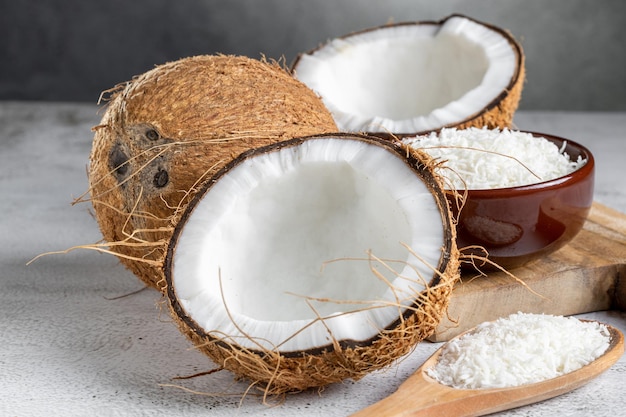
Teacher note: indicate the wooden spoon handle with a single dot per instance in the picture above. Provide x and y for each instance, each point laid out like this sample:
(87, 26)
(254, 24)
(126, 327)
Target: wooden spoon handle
(415, 398)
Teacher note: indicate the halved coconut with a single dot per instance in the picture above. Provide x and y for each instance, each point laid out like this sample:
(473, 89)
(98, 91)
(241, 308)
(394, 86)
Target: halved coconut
(416, 77)
(313, 260)
(170, 129)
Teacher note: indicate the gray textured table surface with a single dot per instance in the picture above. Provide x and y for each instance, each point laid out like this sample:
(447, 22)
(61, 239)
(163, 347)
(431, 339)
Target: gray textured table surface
(72, 347)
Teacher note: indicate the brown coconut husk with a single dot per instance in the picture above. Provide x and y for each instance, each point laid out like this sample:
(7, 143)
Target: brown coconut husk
(277, 373)
(169, 129)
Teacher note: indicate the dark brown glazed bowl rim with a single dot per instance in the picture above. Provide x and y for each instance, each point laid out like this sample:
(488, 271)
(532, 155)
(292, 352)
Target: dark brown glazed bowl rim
(565, 180)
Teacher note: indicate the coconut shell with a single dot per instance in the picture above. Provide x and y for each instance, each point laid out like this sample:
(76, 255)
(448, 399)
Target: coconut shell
(498, 113)
(166, 131)
(278, 373)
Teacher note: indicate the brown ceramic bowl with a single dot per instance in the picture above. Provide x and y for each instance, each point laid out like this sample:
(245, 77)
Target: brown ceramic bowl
(519, 225)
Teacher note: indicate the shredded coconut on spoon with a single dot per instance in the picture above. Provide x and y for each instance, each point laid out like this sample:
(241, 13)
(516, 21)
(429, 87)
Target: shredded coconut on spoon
(493, 158)
(519, 349)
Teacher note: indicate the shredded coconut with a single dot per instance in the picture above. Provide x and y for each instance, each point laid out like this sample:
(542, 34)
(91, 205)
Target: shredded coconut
(493, 158)
(520, 349)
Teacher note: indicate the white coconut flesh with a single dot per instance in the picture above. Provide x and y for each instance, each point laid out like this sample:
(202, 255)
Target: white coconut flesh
(410, 77)
(279, 252)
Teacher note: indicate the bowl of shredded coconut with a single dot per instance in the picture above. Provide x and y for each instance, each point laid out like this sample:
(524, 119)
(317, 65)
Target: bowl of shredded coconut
(518, 196)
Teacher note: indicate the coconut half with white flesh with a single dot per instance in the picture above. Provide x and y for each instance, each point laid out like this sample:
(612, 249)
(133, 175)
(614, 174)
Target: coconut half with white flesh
(416, 77)
(313, 260)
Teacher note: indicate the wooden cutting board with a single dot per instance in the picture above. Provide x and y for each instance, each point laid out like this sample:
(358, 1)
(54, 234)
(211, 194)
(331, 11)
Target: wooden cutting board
(589, 274)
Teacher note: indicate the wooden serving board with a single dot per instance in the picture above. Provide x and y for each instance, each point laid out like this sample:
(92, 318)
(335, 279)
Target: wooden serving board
(588, 274)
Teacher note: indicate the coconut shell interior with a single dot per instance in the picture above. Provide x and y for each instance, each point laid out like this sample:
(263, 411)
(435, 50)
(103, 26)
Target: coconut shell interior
(498, 112)
(277, 372)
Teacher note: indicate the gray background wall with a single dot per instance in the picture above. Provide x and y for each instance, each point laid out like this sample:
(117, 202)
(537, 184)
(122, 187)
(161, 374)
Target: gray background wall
(71, 50)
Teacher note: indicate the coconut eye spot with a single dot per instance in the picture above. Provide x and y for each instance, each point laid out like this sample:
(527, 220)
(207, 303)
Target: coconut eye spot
(118, 161)
(161, 178)
(294, 235)
(152, 135)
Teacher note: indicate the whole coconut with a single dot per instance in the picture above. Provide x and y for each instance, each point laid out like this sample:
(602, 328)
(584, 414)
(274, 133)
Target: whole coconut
(169, 129)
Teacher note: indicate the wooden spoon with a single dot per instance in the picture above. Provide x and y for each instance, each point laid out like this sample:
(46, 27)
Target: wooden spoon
(421, 395)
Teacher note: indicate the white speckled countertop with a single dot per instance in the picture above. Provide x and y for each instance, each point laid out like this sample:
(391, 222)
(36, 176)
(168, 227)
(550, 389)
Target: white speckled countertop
(72, 347)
